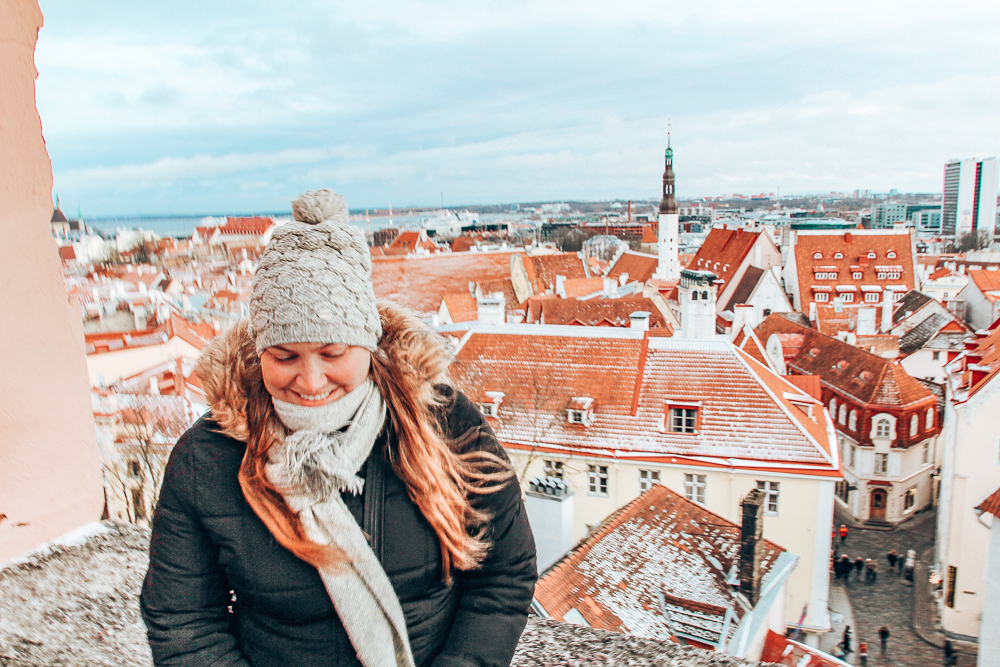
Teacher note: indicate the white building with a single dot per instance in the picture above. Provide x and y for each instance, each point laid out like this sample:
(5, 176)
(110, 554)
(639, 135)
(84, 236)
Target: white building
(970, 197)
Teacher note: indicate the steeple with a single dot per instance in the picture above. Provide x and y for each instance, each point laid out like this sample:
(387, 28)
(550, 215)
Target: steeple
(668, 204)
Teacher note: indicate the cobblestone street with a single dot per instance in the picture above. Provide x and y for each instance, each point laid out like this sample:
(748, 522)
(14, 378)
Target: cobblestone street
(889, 601)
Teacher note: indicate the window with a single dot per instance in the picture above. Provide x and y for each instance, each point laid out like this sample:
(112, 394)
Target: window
(597, 480)
(838, 255)
(910, 499)
(554, 469)
(683, 420)
(881, 276)
(847, 297)
(871, 254)
(488, 409)
(842, 417)
(574, 416)
(842, 489)
(914, 425)
(857, 275)
(926, 454)
(949, 597)
(854, 455)
(694, 488)
(883, 429)
(817, 255)
(871, 297)
(891, 254)
(896, 296)
(936, 355)
(892, 275)
(771, 489)
(134, 469)
(138, 504)
(822, 297)
(881, 463)
(833, 408)
(852, 420)
(648, 479)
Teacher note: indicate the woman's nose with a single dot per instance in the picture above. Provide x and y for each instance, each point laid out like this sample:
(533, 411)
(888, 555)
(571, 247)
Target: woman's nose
(312, 379)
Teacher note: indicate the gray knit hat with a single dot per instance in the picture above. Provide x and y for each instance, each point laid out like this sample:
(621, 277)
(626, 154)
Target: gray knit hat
(314, 280)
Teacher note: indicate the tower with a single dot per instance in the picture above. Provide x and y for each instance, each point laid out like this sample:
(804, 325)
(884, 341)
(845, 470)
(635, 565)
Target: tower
(668, 266)
(970, 195)
(697, 293)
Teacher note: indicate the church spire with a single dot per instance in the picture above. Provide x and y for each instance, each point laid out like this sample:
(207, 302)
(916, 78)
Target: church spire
(668, 204)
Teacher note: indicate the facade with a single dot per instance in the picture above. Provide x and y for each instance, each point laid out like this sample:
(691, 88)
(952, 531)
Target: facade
(50, 479)
(943, 284)
(614, 411)
(887, 422)
(970, 197)
(735, 254)
(989, 627)
(970, 470)
(887, 215)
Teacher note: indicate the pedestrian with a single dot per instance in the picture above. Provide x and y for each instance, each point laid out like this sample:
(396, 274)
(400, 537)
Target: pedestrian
(357, 504)
(846, 640)
(891, 557)
(845, 565)
(859, 564)
(949, 653)
(871, 571)
(883, 634)
(843, 532)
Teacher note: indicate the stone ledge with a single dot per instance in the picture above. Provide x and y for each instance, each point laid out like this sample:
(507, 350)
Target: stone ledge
(77, 605)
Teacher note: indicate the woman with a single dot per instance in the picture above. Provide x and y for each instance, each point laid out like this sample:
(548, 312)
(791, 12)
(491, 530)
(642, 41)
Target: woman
(340, 504)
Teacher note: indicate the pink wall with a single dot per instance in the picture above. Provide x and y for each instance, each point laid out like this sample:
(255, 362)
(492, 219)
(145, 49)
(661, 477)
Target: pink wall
(50, 473)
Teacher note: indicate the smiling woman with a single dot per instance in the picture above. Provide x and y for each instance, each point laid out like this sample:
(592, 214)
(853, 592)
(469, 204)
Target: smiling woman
(341, 504)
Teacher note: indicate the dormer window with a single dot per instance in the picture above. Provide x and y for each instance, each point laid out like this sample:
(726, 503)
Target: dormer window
(891, 254)
(871, 254)
(838, 255)
(580, 410)
(857, 275)
(682, 417)
(817, 255)
(489, 405)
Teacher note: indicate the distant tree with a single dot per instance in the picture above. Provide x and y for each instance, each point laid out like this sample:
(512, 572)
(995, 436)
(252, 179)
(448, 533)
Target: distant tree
(569, 239)
(974, 240)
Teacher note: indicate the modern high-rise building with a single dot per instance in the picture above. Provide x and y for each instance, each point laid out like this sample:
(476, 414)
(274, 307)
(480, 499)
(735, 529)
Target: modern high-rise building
(885, 216)
(970, 197)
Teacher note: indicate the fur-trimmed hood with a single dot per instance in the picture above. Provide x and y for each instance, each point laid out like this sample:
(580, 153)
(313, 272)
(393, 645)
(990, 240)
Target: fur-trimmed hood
(230, 363)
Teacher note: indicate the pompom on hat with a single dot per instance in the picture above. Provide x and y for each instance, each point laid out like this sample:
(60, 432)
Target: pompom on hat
(313, 283)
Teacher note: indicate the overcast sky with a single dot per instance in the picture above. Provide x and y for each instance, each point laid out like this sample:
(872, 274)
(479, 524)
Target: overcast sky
(238, 106)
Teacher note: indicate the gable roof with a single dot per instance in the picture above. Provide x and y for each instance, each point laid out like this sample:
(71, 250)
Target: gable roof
(745, 287)
(638, 265)
(577, 287)
(547, 267)
(920, 335)
(748, 418)
(911, 302)
(991, 505)
(660, 544)
(781, 650)
(866, 377)
(420, 283)
(462, 307)
(987, 281)
(723, 252)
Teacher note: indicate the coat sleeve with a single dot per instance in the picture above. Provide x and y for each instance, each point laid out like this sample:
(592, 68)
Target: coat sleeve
(493, 608)
(185, 596)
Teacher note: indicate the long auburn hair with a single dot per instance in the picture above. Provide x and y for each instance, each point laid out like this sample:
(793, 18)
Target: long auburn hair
(438, 479)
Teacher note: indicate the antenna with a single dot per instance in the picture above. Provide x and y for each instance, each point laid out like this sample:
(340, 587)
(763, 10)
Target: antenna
(668, 133)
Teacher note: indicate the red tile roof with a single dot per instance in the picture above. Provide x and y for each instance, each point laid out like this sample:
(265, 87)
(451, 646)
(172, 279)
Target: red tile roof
(547, 267)
(253, 225)
(745, 414)
(660, 543)
(986, 281)
(866, 377)
(781, 650)
(639, 266)
(577, 287)
(723, 252)
(859, 251)
(408, 241)
(461, 306)
(978, 365)
(505, 285)
(991, 505)
(421, 282)
(595, 312)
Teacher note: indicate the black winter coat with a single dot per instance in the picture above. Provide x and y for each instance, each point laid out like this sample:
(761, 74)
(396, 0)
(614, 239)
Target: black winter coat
(207, 541)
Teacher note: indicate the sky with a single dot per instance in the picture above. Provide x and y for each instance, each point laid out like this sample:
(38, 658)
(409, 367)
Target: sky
(194, 107)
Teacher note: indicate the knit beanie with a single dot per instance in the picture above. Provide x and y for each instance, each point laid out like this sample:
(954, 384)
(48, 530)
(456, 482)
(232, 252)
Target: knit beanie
(313, 283)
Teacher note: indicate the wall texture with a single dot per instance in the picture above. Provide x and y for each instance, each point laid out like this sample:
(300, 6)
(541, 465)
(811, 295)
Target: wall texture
(50, 474)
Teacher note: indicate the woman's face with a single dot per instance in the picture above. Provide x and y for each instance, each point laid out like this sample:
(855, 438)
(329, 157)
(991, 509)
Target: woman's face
(313, 374)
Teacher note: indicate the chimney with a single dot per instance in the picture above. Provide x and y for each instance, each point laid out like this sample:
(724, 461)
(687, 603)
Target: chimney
(743, 314)
(491, 309)
(549, 503)
(813, 312)
(561, 286)
(752, 544)
(639, 320)
(623, 278)
(180, 386)
(610, 290)
(866, 321)
(887, 301)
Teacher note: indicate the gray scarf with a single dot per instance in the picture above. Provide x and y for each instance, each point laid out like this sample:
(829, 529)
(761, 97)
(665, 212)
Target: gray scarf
(311, 468)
